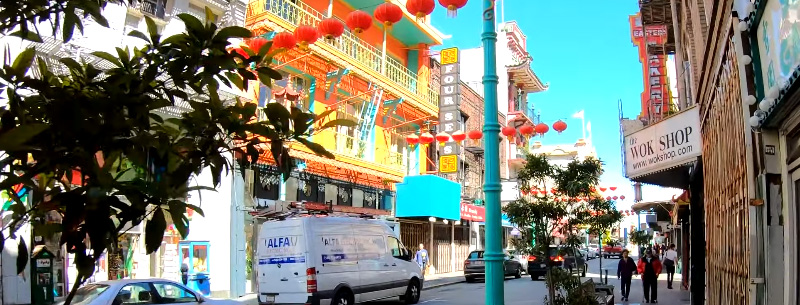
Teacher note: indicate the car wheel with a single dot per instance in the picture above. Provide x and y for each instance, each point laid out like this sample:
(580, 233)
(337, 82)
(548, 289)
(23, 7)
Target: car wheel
(583, 274)
(412, 292)
(343, 297)
(470, 280)
(518, 274)
(534, 277)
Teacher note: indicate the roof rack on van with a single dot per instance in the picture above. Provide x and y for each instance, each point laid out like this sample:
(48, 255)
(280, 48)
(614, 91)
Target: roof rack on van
(291, 209)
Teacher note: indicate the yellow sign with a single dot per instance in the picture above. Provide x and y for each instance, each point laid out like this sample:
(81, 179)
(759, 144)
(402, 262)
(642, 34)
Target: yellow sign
(449, 56)
(448, 164)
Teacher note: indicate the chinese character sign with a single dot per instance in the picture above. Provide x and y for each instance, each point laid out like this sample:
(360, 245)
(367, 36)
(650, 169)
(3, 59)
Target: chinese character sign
(656, 97)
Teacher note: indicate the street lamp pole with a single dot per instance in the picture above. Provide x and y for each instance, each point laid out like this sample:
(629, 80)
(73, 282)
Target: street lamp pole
(491, 129)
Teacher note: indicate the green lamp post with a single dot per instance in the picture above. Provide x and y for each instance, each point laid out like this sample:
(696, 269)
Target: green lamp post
(492, 187)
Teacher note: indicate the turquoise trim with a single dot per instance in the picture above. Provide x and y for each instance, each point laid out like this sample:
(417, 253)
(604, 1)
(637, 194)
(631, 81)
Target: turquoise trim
(371, 145)
(282, 195)
(413, 60)
(312, 90)
(406, 31)
(758, 78)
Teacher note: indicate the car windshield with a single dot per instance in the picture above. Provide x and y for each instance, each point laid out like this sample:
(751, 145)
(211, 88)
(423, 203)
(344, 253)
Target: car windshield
(87, 294)
(476, 255)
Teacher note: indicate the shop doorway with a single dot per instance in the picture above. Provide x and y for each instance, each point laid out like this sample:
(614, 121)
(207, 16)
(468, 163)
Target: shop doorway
(795, 198)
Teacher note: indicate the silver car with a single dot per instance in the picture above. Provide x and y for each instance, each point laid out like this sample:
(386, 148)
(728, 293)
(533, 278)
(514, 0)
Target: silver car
(141, 291)
(522, 258)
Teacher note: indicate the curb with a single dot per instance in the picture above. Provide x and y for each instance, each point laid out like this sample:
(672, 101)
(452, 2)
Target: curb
(434, 286)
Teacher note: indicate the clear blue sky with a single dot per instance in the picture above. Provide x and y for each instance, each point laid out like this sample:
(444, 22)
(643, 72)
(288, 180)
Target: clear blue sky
(584, 50)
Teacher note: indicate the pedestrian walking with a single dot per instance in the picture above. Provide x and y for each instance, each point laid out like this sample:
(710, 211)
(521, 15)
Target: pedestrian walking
(649, 267)
(670, 258)
(626, 268)
(422, 258)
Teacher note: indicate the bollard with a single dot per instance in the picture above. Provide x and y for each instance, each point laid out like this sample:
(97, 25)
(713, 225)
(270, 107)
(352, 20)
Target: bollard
(606, 276)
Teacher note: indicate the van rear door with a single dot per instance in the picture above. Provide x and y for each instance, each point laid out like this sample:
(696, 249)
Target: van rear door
(282, 262)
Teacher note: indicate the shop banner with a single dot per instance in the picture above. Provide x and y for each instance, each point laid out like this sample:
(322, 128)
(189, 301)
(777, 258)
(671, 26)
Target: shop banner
(450, 119)
(473, 212)
(779, 42)
(666, 144)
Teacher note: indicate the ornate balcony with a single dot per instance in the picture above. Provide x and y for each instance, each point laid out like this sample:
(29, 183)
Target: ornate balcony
(355, 53)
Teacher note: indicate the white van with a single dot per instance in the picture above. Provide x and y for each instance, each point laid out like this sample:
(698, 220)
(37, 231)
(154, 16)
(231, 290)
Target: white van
(333, 260)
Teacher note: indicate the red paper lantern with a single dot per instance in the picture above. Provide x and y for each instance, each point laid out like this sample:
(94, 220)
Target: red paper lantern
(426, 138)
(622, 197)
(255, 44)
(284, 40)
(608, 198)
(358, 21)
(459, 136)
(613, 188)
(331, 28)
(602, 189)
(542, 128)
(559, 126)
(475, 136)
(509, 132)
(420, 8)
(306, 35)
(615, 197)
(453, 6)
(388, 13)
(412, 140)
(553, 191)
(526, 130)
(442, 137)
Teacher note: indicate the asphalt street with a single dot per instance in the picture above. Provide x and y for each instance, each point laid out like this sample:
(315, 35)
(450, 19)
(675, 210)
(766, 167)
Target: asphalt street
(527, 292)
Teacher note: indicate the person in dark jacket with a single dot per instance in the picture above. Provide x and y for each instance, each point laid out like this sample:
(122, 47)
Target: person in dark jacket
(649, 267)
(625, 271)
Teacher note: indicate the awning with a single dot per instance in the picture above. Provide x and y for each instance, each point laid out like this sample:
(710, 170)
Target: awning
(503, 222)
(525, 78)
(428, 196)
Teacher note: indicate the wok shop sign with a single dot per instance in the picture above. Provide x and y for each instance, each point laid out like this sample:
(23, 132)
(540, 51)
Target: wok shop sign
(672, 142)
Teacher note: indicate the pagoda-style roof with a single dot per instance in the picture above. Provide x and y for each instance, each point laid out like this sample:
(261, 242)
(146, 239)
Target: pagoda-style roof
(658, 12)
(525, 78)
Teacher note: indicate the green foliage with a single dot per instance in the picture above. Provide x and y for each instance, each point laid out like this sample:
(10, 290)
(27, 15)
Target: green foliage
(569, 206)
(134, 163)
(569, 290)
(641, 238)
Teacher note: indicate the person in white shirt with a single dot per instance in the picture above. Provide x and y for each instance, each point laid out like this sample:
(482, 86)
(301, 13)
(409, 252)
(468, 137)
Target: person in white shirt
(670, 257)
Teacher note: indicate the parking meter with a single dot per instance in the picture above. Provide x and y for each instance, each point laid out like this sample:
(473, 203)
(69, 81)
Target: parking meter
(185, 273)
(42, 276)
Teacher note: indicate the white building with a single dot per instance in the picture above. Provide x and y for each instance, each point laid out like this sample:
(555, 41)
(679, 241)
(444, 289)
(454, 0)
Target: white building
(516, 81)
(218, 239)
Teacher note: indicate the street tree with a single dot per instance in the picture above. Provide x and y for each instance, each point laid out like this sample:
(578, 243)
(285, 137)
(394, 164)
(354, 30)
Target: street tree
(641, 238)
(566, 203)
(94, 147)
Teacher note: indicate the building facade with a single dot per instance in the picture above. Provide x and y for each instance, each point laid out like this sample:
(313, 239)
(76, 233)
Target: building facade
(209, 248)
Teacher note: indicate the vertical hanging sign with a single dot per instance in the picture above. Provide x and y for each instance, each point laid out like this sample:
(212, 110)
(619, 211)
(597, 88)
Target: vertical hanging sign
(450, 119)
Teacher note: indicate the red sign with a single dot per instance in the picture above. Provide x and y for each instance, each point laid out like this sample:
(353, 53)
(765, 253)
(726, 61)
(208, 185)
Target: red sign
(473, 212)
(656, 97)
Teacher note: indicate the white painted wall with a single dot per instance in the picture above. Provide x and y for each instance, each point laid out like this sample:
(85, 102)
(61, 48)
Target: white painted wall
(15, 288)
(223, 228)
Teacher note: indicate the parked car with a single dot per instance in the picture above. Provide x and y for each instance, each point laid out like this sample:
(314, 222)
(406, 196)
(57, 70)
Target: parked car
(567, 258)
(475, 266)
(594, 250)
(609, 251)
(521, 258)
(333, 260)
(585, 253)
(141, 291)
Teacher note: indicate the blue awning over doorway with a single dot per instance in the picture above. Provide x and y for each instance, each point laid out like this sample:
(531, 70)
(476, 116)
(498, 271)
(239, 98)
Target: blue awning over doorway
(428, 196)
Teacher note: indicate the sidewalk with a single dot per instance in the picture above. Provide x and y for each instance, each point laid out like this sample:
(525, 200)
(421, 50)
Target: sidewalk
(431, 281)
(674, 296)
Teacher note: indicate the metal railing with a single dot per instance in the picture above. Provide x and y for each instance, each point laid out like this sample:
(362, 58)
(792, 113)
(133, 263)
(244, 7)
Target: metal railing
(353, 47)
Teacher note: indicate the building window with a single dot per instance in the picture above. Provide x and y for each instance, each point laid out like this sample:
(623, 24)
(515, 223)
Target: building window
(199, 11)
(131, 23)
(154, 8)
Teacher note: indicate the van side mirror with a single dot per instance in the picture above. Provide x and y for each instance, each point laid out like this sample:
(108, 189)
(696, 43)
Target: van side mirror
(406, 256)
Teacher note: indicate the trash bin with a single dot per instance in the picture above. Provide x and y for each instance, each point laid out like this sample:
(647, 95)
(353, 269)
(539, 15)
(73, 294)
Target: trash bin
(200, 282)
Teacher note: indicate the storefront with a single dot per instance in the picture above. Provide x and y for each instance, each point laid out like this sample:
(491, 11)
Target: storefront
(668, 154)
(773, 95)
(431, 213)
